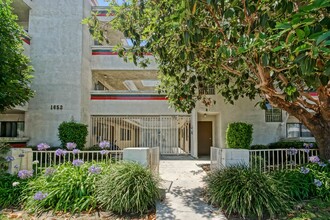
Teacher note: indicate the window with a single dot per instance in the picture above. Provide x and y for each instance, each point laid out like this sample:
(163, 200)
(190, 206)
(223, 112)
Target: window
(125, 134)
(11, 129)
(296, 130)
(273, 115)
(207, 90)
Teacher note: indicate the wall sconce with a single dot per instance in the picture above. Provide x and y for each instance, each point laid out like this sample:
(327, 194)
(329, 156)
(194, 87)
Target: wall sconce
(204, 115)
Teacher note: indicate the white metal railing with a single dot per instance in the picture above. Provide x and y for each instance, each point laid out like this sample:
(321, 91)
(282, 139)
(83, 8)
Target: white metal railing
(44, 159)
(266, 160)
(277, 159)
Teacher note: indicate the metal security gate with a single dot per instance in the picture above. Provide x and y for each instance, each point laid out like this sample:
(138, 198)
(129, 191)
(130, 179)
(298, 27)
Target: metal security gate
(170, 133)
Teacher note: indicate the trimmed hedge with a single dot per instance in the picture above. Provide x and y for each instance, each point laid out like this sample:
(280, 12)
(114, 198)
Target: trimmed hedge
(290, 144)
(239, 135)
(73, 132)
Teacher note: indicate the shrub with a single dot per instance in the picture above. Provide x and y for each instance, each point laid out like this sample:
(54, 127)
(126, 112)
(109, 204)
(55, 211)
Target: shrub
(10, 189)
(321, 173)
(289, 144)
(4, 148)
(246, 192)
(66, 187)
(258, 147)
(296, 184)
(239, 135)
(72, 132)
(127, 188)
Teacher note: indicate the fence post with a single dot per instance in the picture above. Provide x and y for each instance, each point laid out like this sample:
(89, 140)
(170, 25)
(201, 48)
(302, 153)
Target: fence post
(22, 159)
(147, 157)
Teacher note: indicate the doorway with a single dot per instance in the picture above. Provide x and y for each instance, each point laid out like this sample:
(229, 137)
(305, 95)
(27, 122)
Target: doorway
(204, 138)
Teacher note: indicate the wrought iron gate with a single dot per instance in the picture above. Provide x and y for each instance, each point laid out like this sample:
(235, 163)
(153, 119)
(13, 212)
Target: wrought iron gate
(170, 133)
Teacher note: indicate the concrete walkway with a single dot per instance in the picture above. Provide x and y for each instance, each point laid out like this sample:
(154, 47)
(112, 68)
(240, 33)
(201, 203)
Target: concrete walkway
(182, 178)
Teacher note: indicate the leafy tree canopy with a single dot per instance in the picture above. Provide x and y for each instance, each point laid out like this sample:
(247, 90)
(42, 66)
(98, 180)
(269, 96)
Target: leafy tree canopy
(278, 50)
(14, 66)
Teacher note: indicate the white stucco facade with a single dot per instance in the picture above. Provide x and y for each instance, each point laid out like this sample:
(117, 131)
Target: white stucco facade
(65, 61)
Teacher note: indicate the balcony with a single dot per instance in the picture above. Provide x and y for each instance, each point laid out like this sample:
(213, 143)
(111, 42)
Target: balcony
(105, 58)
(103, 13)
(22, 10)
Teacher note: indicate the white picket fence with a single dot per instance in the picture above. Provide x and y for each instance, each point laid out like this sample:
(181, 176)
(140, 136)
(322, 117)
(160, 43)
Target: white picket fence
(266, 160)
(44, 159)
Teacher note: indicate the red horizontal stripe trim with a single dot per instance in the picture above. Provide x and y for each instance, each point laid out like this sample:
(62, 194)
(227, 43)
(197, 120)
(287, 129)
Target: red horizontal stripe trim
(104, 53)
(17, 144)
(109, 97)
(26, 41)
(112, 53)
(313, 93)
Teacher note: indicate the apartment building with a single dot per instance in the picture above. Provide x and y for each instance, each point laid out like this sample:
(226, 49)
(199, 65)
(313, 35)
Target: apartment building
(75, 78)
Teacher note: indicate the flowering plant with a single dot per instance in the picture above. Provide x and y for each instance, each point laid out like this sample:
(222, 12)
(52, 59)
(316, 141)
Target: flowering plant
(43, 146)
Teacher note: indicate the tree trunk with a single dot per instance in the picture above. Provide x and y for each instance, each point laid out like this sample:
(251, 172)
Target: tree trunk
(323, 142)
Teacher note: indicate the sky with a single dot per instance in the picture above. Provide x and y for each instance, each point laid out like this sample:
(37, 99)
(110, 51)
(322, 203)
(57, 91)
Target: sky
(104, 3)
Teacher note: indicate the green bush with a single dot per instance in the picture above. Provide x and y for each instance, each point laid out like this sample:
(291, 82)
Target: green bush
(4, 148)
(247, 192)
(258, 147)
(321, 173)
(66, 188)
(127, 188)
(296, 184)
(73, 132)
(290, 144)
(10, 190)
(239, 135)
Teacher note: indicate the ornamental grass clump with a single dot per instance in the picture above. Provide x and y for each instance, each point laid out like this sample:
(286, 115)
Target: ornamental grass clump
(11, 187)
(247, 192)
(67, 187)
(127, 188)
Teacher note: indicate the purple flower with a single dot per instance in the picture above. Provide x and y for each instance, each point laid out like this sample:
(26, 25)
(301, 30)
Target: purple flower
(76, 151)
(43, 146)
(311, 145)
(94, 169)
(104, 152)
(292, 151)
(317, 182)
(71, 145)
(49, 171)
(104, 144)
(77, 162)
(307, 150)
(304, 170)
(21, 155)
(321, 164)
(10, 158)
(16, 166)
(60, 152)
(314, 159)
(25, 174)
(40, 196)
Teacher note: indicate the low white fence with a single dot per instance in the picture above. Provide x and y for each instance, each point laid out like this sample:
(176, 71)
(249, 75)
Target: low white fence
(44, 159)
(279, 159)
(264, 160)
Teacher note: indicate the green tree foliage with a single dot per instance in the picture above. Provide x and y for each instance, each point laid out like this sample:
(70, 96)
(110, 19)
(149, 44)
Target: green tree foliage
(15, 69)
(239, 135)
(73, 132)
(278, 50)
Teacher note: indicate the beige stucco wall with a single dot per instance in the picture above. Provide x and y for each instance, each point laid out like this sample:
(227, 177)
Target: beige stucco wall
(243, 110)
(59, 54)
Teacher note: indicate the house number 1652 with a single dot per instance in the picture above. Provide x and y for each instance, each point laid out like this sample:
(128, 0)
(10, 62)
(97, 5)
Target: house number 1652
(56, 107)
